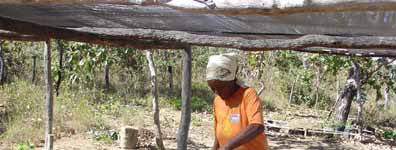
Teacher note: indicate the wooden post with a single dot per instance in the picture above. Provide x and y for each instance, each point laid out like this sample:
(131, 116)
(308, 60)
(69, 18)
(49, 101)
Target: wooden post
(49, 103)
(154, 90)
(186, 101)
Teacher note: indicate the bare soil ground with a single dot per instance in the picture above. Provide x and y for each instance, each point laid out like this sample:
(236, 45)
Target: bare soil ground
(201, 137)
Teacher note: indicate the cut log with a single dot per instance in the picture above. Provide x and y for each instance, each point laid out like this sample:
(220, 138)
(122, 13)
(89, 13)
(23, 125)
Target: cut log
(128, 137)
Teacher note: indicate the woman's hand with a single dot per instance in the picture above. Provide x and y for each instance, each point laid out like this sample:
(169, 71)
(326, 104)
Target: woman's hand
(225, 147)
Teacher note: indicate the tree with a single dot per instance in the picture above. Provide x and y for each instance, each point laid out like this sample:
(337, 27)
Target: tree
(359, 76)
(2, 64)
(154, 91)
(60, 67)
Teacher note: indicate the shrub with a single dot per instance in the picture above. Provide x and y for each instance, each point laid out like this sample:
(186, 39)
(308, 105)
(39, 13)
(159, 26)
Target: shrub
(197, 104)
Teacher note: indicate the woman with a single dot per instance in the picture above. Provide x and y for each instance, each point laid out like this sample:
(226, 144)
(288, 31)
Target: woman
(236, 107)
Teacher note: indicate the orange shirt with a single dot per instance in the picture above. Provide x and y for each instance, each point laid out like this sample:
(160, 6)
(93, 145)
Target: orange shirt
(236, 113)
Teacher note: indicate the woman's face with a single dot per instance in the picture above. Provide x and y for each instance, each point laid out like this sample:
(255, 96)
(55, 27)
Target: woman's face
(222, 88)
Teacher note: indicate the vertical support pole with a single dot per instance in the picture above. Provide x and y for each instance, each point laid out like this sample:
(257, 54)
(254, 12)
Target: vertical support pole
(186, 100)
(49, 103)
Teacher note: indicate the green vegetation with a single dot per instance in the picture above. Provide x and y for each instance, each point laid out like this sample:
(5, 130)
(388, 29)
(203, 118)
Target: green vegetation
(197, 104)
(390, 134)
(25, 146)
(292, 82)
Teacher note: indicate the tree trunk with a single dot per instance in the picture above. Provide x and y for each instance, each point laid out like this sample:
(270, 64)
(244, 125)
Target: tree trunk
(49, 137)
(337, 88)
(154, 91)
(344, 105)
(317, 85)
(186, 101)
(260, 66)
(356, 68)
(386, 91)
(170, 79)
(107, 77)
(34, 69)
(2, 64)
(292, 89)
(60, 70)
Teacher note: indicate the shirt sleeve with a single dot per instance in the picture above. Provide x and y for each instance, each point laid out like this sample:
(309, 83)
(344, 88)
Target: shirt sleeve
(253, 107)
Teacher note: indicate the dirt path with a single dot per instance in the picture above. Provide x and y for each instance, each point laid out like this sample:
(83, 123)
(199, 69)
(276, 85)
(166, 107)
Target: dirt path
(201, 137)
(81, 142)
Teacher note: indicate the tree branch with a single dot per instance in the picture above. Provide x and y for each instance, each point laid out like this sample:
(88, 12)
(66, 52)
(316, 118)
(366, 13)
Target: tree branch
(350, 52)
(364, 81)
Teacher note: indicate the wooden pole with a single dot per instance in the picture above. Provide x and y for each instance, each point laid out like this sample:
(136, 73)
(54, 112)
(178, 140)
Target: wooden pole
(186, 100)
(154, 90)
(49, 103)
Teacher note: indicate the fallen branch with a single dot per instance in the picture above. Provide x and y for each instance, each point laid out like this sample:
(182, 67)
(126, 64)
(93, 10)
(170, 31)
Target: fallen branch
(261, 90)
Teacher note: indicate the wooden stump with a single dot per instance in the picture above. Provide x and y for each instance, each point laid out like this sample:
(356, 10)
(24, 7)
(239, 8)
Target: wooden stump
(128, 137)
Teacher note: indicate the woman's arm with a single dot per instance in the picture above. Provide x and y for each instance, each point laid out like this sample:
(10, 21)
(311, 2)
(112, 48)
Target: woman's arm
(215, 144)
(245, 136)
